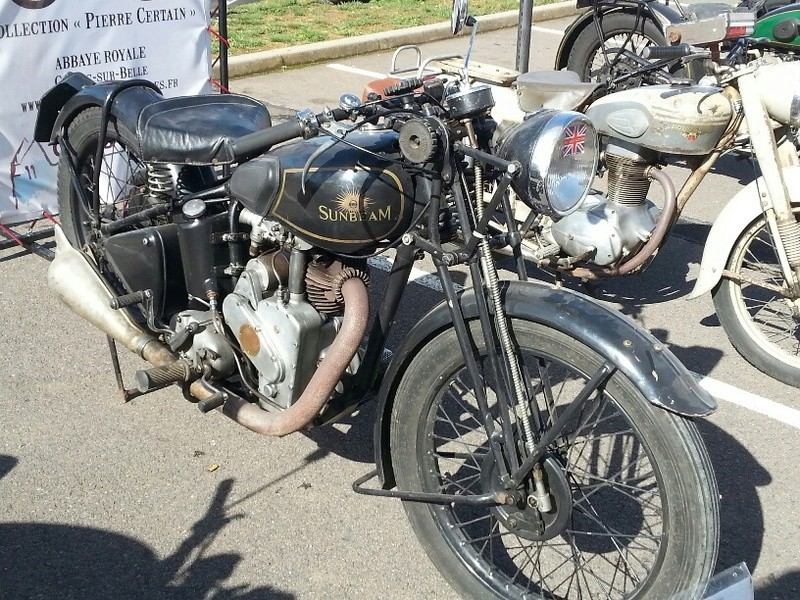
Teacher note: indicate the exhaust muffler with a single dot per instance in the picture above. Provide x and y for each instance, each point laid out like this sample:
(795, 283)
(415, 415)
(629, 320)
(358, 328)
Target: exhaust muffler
(75, 280)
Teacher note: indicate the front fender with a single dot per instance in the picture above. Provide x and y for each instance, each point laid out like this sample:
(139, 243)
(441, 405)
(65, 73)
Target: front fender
(662, 15)
(653, 369)
(731, 222)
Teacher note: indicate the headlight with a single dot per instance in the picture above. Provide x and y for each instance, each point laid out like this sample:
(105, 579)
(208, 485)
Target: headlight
(558, 152)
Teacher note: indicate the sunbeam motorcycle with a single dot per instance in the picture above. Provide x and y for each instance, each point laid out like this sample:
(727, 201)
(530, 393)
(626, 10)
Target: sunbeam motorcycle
(543, 444)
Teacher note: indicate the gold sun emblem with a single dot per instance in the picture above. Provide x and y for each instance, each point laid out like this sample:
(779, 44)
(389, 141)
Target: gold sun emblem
(350, 200)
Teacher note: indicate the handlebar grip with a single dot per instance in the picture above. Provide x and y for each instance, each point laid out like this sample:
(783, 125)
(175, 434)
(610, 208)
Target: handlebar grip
(261, 141)
(666, 52)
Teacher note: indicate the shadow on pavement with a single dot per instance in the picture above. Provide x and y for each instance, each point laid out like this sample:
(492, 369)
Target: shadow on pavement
(6, 464)
(42, 560)
(785, 587)
(664, 278)
(739, 475)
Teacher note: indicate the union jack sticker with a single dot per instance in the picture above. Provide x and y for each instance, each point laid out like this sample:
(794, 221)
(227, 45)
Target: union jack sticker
(574, 140)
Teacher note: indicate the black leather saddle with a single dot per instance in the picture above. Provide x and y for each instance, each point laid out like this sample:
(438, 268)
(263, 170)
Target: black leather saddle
(197, 130)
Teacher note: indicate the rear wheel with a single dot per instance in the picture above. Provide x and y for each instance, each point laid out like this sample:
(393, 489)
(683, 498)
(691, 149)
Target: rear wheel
(603, 60)
(635, 505)
(762, 323)
(123, 179)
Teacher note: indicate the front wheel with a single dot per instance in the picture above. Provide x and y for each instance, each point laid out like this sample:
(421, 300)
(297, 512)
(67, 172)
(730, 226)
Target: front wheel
(762, 323)
(605, 59)
(635, 504)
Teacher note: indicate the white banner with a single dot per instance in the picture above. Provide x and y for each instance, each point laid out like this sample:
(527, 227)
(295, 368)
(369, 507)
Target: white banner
(164, 41)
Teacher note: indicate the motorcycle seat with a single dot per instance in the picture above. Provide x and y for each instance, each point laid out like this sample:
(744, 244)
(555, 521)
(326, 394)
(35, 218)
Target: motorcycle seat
(562, 90)
(197, 130)
(705, 10)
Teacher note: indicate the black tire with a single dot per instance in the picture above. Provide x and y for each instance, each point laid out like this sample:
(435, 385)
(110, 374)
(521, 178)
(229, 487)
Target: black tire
(123, 180)
(761, 323)
(622, 32)
(658, 523)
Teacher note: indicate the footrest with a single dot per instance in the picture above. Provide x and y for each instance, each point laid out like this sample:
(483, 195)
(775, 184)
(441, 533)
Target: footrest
(148, 380)
(212, 402)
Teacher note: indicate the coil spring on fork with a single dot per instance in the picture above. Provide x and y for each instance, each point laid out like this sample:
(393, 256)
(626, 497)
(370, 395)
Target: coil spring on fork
(790, 238)
(493, 287)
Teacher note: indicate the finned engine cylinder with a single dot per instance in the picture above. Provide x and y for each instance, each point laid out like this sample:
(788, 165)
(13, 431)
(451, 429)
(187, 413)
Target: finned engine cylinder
(324, 280)
(628, 183)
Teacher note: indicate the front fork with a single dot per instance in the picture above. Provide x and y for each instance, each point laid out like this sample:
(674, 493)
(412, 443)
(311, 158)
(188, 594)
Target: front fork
(775, 200)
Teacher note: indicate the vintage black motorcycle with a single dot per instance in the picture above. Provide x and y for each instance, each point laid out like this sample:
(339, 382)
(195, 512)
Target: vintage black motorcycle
(543, 444)
(609, 43)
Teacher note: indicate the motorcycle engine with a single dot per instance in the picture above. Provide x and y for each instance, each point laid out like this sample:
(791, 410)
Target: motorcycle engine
(286, 335)
(608, 228)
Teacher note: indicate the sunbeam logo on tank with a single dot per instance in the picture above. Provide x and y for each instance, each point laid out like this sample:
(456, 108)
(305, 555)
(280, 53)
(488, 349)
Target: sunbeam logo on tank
(33, 4)
(574, 140)
(352, 206)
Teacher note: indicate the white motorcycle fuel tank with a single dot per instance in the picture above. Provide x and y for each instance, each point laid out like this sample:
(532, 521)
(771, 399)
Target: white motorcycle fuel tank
(670, 119)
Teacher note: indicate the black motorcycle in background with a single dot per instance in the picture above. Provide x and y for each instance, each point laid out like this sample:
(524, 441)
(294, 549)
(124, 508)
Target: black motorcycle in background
(609, 43)
(543, 444)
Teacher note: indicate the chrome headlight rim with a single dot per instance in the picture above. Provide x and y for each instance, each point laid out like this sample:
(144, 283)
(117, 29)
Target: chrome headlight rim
(549, 147)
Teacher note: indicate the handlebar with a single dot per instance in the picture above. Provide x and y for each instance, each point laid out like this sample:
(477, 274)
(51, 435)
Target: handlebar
(304, 125)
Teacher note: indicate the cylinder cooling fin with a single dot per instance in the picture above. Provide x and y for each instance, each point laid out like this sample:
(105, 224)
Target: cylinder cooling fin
(628, 183)
(324, 280)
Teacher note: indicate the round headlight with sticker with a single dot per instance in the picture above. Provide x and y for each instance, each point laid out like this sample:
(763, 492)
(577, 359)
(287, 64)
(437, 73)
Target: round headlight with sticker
(558, 151)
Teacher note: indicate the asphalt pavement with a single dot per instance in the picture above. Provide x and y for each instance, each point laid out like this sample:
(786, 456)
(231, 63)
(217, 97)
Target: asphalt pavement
(154, 500)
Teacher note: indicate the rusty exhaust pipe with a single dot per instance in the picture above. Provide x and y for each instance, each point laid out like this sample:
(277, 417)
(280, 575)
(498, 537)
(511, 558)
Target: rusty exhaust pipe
(327, 375)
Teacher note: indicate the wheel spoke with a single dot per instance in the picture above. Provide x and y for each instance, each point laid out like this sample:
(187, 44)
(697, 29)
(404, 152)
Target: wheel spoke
(605, 536)
(572, 574)
(768, 320)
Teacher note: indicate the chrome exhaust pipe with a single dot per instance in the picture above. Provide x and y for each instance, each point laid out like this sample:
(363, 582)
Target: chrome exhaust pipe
(75, 280)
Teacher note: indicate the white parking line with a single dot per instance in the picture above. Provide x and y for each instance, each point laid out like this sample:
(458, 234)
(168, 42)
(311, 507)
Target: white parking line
(764, 406)
(557, 32)
(719, 389)
(356, 71)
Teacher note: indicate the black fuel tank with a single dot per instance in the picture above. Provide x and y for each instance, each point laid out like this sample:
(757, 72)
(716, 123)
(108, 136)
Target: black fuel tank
(352, 202)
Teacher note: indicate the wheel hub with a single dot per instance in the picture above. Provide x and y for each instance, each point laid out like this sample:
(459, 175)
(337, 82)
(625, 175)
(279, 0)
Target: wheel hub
(524, 519)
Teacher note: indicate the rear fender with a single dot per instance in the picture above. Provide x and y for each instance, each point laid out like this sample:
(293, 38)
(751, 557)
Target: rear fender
(653, 369)
(661, 14)
(731, 222)
(76, 92)
(54, 100)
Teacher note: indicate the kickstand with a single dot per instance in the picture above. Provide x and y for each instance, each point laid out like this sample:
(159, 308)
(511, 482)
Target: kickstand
(126, 394)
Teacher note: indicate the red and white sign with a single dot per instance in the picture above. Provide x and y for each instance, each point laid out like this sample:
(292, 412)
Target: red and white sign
(164, 41)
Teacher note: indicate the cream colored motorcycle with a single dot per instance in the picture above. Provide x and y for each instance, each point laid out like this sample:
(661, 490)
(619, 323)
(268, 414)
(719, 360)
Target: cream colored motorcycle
(751, 261)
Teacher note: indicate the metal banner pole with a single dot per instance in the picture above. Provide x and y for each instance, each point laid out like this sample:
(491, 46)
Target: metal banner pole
(223, 46)
(524, 35)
